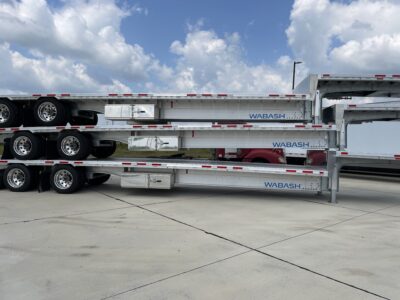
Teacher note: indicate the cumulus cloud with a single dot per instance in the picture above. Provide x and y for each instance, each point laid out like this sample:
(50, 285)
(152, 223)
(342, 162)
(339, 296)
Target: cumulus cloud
(60, 74)
(79, 47)
(362, 36)
(207, 62)
(81, 35)
(88, 31)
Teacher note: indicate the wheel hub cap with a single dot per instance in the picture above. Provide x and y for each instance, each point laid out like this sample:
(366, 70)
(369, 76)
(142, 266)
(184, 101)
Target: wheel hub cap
(63, 179)
(16, 178)
(47, 111)
(22, 145)
(70, 145)
(4, 113)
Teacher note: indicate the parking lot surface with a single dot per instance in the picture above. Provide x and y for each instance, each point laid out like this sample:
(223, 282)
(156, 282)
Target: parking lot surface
(111, 243)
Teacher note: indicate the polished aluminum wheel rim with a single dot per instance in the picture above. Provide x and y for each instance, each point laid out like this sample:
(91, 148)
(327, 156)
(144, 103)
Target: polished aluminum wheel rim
(70, 146)
(4, 113)
(63, 179)
(22, 145)
(16, 178)
(47, 111)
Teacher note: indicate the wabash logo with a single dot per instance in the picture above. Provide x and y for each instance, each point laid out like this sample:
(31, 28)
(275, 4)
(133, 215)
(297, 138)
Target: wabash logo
(298, 144)
(259, 116)
(283, 185)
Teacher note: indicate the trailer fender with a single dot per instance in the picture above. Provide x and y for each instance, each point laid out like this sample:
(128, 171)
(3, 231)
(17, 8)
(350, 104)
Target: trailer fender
(316, 158)
(264, 155)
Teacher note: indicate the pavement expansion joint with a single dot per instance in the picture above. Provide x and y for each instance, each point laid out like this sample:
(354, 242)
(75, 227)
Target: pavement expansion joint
(176, 275)
(355, 209)
(66, 216)
(257, 250)
(331, 225)
(161, 202)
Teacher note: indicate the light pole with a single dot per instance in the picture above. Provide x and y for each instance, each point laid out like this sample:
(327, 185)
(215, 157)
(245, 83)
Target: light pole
(294, 71)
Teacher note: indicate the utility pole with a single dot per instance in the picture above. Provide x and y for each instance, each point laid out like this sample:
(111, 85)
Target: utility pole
(294, 72)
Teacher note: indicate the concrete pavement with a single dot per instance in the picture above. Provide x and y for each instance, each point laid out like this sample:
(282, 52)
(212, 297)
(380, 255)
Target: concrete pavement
(201, 244)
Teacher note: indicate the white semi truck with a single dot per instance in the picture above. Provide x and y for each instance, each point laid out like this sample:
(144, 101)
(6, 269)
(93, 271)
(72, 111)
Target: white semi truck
(54, 139)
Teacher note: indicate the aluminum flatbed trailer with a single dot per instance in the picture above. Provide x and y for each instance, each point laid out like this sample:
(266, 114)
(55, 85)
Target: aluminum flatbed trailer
(343, 115)
(69, 176)
(335, 86)
(75, 142)
(340, 159)
(330, 86)
(58, 109)
(378, 160)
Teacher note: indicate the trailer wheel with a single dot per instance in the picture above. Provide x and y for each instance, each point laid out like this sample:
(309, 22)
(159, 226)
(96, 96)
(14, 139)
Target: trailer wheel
(98, 179)
(104, 151)
(19, 178)
(50, 112)
(9, 114)
(73, 145)
(66, 179)
(26, 145)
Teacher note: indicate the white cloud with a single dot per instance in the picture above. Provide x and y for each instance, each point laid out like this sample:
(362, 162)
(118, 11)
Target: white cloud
(139, 9)
(48, 74)
(207, 62)
(79, 46)
(82, 34)
(358, 37)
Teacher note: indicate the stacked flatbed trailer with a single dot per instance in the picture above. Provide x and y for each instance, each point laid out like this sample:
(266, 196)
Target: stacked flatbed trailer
(48, 138)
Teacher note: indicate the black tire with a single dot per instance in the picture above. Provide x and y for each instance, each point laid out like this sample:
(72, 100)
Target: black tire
(65, 179)
(56, 113)
(25, 145)
(73, 145)
(98, 179)
(9, 114)
(19, 178)
(104, 151)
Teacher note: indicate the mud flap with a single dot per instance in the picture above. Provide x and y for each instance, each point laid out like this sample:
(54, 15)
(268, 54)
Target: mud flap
(51, 149)
(1, 179)
(27, 116)
(44, 180)
(6, 150)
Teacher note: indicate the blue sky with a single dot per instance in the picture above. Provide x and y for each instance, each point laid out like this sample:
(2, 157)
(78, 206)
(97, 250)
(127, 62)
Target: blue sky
(260, 23)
